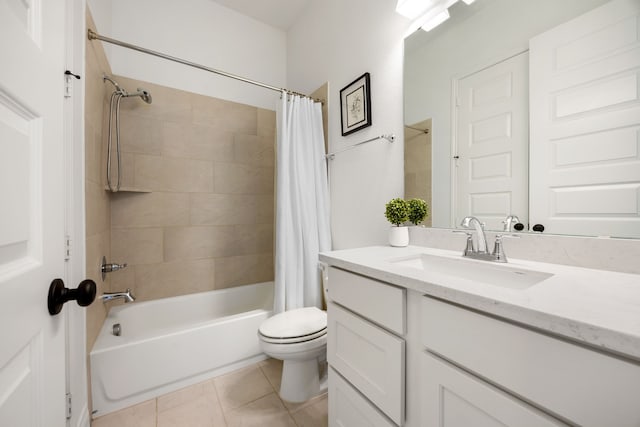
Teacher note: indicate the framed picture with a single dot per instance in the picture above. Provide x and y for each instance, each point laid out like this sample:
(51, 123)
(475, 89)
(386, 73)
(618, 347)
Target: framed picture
(355, 105)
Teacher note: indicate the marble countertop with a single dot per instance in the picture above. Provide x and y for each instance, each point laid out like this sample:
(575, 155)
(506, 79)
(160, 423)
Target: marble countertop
(596, 307)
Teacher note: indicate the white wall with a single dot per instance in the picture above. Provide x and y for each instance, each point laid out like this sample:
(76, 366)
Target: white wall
(458, 50)
(199, 31)
(337, 41)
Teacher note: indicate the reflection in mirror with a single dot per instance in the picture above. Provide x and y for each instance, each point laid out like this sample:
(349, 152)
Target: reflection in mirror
(417, 163)
(578, 168)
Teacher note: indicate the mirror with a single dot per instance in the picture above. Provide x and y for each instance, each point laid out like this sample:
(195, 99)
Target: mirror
(462, 62)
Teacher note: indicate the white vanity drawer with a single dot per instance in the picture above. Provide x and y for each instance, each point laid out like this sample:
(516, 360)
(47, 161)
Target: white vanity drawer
(584, 386)
(452, 397)
(348, 408)
(369, 357)
(382, 303)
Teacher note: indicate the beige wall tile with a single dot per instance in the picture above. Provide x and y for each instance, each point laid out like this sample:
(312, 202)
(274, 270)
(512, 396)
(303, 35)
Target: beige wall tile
(173, 174)
(266, 122)
(194, 141)
(231, 209)
(149, 209)
(227, 115)
(136, 245)
(140, 134)
(164, 280)
(97, 209)
(182, 243)
(236, 178)
(242, 270)
(122, 280)
(254, 150)
(97, 246)
(93, 152)
(254, 239)
(147, 172)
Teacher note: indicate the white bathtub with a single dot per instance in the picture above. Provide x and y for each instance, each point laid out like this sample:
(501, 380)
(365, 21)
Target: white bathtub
(171, 343)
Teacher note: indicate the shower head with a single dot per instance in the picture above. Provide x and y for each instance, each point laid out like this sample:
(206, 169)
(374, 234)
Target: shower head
(145, 95)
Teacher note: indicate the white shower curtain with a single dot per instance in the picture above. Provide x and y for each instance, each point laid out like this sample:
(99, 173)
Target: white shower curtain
(302, 204)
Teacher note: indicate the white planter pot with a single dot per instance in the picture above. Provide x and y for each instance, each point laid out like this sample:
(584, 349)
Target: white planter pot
(399, 236)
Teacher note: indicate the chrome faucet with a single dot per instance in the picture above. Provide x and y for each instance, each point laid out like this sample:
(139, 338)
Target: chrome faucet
(126, 296)
(469, 221)
(509, 222)
(480, 251)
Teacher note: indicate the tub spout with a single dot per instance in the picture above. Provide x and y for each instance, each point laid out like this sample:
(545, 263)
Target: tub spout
(127, 296)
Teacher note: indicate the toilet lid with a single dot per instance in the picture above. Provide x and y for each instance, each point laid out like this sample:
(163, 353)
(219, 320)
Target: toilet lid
(298, 323)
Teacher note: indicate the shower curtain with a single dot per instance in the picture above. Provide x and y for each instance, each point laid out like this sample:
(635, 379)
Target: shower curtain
(302, 204)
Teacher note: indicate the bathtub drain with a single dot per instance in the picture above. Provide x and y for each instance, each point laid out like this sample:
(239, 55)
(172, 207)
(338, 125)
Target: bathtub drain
(117, 330)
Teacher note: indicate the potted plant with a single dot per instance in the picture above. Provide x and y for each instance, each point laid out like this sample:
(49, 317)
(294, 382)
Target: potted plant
(418, 211)
(397, 213)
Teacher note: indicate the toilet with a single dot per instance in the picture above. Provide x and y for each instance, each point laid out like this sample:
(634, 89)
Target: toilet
(299, 338)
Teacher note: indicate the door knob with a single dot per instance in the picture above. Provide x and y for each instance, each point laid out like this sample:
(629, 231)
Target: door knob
(84, 295)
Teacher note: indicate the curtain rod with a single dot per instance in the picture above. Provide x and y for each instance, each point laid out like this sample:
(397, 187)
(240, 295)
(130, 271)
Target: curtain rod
(389, 138)
(92, 35)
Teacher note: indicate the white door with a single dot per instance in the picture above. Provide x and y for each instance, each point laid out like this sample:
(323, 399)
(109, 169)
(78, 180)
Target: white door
(454, 398)
(585, 124)
(492, 137)
(32, 350)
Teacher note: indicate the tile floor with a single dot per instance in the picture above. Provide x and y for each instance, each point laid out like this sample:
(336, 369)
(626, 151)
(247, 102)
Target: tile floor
(246, 397)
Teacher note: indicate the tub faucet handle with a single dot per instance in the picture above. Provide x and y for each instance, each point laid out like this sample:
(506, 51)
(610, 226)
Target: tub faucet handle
(110, 267)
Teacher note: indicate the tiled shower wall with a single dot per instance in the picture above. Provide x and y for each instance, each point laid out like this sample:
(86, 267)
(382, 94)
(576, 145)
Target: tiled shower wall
(197, 212)
(98, 204)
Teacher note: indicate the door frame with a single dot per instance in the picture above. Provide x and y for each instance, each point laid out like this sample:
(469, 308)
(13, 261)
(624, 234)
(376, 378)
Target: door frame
(75, 269)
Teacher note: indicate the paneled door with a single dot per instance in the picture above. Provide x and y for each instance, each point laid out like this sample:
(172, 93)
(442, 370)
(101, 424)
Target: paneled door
(32, 349)
(585, 123)
(492, 139)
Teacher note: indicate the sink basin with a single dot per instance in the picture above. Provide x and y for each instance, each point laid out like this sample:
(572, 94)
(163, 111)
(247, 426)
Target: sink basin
(478, 271)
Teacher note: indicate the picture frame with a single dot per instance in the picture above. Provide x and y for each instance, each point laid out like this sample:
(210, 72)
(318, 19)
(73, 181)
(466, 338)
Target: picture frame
(355, 105)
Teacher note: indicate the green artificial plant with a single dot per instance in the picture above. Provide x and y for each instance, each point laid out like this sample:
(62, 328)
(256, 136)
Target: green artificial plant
(418, 210)
(397, 211)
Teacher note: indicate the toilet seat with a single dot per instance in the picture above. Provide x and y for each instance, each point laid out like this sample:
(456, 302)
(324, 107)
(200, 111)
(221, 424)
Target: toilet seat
(294, 326)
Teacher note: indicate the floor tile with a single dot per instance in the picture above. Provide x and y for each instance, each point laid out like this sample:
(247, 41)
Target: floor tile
(294, 406)
(314, 414)
(184, 395)
(272, 369)
(141, 415)
(201, 411)
(241, 387)
(194, 406)
(267, 411)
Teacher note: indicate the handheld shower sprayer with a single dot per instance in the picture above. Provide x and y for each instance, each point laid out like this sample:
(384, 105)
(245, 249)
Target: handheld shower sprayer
(114, 120)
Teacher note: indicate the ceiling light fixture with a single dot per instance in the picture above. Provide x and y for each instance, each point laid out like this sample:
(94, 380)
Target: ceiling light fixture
(438, 19)
(427, 14)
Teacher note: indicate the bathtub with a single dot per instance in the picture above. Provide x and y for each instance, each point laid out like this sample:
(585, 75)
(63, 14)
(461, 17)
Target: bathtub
(171, 343)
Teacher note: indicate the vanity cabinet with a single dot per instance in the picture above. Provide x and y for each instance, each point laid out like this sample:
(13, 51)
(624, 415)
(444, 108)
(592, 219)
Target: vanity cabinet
(400, 357)
(365, 349)
(478, 364)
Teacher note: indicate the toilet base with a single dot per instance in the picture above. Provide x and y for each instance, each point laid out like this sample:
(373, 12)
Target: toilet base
(301, 380)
